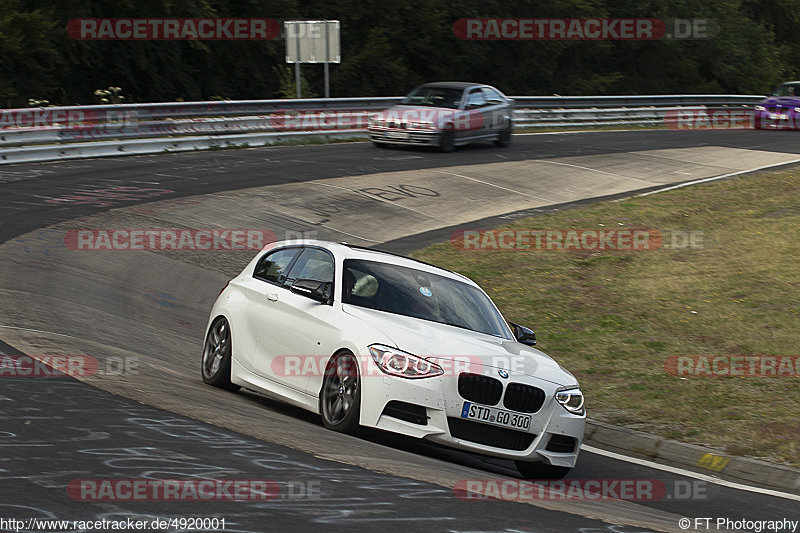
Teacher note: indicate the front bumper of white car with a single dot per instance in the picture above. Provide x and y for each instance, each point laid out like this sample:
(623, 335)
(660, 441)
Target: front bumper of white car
(409, 136)
(432, 408)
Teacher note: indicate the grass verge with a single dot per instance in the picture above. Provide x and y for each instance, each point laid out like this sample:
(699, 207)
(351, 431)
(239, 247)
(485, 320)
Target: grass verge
(614, 318)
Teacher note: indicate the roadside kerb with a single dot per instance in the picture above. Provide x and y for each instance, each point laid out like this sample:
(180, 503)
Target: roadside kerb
(692, 457)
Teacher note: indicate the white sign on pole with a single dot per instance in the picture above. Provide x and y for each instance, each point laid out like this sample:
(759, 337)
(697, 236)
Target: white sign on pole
(312, 41)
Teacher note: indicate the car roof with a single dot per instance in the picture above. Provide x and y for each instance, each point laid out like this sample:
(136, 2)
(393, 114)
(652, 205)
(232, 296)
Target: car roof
(350, 251)
(454, 84)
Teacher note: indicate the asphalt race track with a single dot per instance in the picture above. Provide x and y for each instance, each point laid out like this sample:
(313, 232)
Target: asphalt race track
(150, 308)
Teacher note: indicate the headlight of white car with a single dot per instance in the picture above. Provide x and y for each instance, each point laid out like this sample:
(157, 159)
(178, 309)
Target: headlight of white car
(760, 108)
(402, 364)
(572, 400)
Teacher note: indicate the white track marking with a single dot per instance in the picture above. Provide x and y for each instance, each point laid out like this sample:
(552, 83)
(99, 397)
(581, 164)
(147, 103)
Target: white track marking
(689, 473)
(714, 178)
(595, 170)
(492, 184)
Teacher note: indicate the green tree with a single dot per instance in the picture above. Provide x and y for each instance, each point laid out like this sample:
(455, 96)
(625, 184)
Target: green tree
(30, 60)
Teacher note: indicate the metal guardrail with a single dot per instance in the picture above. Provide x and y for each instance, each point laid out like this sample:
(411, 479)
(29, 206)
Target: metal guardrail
(42, 134)
(572, 102)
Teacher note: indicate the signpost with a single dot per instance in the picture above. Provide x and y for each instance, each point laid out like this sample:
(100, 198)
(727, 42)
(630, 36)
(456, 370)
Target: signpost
(312, 41)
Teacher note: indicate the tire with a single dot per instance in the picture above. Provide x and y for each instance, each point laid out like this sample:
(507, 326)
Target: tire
(541, 470)
(447, 140)
(215, 367)
(382, 145)
(503, 138)
(340, 397)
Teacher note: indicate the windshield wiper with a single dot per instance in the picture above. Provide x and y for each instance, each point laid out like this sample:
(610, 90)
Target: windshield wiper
(462, 326)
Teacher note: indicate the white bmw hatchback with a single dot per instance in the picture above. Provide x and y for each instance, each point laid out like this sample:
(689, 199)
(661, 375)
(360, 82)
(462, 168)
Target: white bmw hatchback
(371, 339)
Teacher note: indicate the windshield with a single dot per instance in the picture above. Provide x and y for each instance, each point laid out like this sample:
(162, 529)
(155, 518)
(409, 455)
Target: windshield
(448, 97)
(788, 89)
(418, 294)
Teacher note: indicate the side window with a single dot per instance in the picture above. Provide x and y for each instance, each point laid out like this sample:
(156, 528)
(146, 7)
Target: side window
(475, 99)
(492, 97)
(272, 266)
(357, 285)
(313, 263)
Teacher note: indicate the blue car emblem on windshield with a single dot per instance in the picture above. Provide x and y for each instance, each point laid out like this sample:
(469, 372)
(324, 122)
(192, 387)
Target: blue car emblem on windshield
(425, 291)
(503, 374)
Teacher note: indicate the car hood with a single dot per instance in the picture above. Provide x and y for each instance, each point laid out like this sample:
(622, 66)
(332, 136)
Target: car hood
(407, 114)
(457, 349)
(783, 101)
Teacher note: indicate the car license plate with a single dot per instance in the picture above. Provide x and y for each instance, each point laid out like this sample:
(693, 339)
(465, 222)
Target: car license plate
(778, 116)
(398, 134)
(494, 416)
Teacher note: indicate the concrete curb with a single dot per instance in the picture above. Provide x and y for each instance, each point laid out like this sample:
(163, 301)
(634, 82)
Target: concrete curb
(696, 458)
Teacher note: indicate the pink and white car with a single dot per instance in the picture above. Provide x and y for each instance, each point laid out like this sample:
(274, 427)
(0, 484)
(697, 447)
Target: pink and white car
(445, 115)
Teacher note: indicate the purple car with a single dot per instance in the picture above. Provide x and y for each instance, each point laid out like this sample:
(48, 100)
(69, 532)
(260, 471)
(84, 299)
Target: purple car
(781, 111)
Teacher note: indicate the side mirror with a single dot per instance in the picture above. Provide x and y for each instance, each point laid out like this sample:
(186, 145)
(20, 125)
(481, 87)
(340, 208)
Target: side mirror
(319, 291)
(523, 335)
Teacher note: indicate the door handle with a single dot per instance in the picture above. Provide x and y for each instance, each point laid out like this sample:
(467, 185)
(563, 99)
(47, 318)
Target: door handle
(272, 297)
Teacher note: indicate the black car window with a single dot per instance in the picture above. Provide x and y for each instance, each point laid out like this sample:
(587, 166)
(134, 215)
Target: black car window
(788, 89)
(492, 96)
(419, 294)
(434, 97)
(475, 99)
(313, 263)
(271, 267)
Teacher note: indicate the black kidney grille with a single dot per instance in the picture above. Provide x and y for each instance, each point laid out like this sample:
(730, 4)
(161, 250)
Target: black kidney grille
(479, 389)
(523, 398)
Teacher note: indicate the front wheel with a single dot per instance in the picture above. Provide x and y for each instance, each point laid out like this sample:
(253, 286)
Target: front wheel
(447, 141)
(503, 138)
(216, 365)
(340, 398)
(541, 470)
